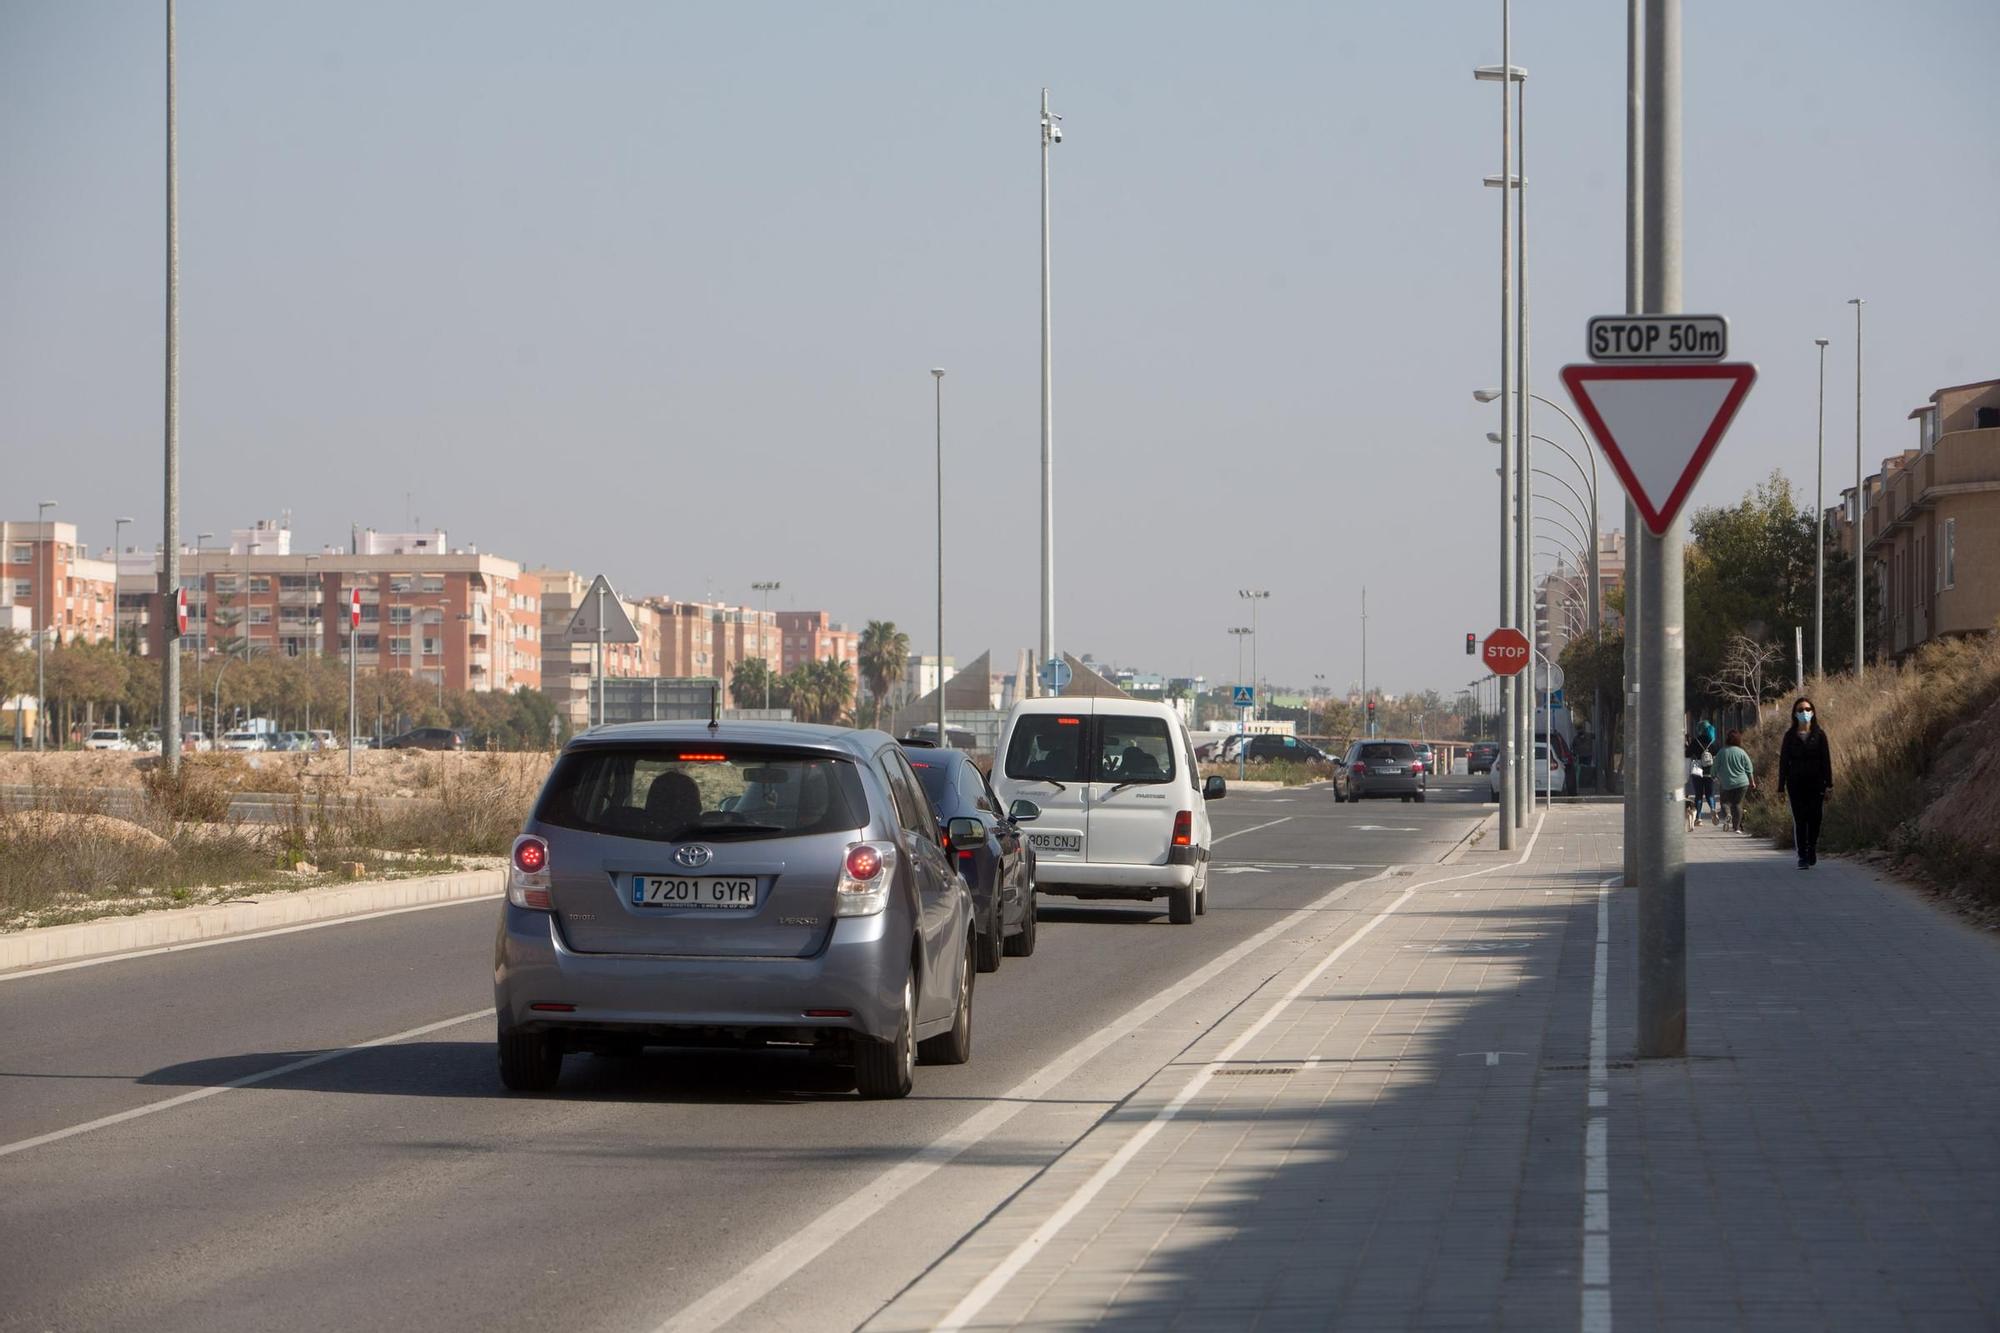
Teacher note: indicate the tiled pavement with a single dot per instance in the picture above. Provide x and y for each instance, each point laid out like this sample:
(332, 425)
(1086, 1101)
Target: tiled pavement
(1394, 1135)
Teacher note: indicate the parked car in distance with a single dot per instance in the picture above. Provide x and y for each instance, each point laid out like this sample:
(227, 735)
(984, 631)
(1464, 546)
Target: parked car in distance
(242, 741)
(1381, 768)
(1000, 866)
(291, 740)
(106, 738)
(819, 910)
(1479, 756)
(427, 738)
(323, 740)
(1123, 807)
(1288, 748)
(1547, 768)
(1427, 755)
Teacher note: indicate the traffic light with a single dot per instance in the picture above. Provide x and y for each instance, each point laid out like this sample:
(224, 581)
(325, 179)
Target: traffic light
(1371, 708)
(1471, 644)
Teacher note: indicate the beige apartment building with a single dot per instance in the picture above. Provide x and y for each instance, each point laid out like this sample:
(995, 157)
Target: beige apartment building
(458, 616)
(711, 638)
(1562, 596)
(1931, 544)
(811, 636)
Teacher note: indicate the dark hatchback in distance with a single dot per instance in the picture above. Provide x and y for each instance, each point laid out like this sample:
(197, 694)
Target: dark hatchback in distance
(1002, 870)
(1479, 756)
(427, 738)
(753, 884)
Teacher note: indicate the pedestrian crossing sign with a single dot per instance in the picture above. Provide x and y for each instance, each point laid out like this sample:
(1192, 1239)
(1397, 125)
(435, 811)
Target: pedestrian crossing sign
(1242, 696)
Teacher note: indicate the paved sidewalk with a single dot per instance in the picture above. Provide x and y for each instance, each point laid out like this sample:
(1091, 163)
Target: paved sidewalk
(1407, 1131)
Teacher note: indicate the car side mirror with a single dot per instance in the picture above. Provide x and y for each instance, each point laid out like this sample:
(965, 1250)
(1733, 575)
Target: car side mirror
(966, 834)
(1024, 812)
(1214, 789)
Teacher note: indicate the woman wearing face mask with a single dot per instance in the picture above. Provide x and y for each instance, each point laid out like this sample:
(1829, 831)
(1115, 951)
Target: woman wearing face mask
(1805, 774)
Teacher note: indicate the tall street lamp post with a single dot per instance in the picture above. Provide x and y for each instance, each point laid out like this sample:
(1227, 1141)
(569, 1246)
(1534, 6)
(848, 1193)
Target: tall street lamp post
(170, 528)
(44, 596)
(937, 388)
(1051, 135)
(1819, 525)
(1255, 596)
(1860, 511)
(201, 639)
(1240, 632)
(767, 589)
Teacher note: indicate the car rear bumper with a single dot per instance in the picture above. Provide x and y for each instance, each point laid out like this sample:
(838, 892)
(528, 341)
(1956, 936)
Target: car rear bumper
(1401, 784)
(1085, 879)
(860, 971)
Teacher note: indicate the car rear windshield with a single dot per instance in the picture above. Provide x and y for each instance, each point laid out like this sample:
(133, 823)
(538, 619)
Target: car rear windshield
(702, 790)
(1388, 750)
(936, 777)
(1124, 748)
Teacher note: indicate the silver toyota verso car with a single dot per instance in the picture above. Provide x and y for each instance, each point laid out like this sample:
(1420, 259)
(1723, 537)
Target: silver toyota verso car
(747, 884)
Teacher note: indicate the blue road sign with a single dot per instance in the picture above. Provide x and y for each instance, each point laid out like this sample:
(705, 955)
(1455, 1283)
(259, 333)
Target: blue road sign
(1055, 675)
(1243, 696)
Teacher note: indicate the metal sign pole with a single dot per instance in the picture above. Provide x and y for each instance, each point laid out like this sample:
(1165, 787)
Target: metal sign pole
(600, 654)
(1633, 784)
(1662, 646)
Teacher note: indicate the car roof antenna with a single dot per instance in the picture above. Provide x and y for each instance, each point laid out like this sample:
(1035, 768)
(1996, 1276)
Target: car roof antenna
(714, 705)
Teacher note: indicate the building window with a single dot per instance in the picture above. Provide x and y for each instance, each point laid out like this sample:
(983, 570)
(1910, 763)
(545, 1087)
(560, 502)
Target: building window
(432, 583)
(294, 582)
(1948, 565)
(430, 646)
(399, 615)
(260, 615)
(24, 589)
(23, 553)
(399, 646)
(260, 583)
(370, 613)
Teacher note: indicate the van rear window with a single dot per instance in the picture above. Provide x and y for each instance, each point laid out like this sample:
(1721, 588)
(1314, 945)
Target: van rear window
(1387, 750)
(1123, 748)
(702, 790)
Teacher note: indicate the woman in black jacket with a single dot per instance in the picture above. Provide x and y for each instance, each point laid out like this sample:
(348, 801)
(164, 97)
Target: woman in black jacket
(1805, 774)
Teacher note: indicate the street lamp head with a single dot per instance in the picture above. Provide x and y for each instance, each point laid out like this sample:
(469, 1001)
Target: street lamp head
(1485, 395)
(1854, 300)
(1819, 342)
(1493, 437)
(938, 371)
(126, 519)
(1493, 74)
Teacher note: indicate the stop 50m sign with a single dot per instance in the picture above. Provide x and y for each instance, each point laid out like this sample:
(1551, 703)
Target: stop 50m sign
(1506, 651)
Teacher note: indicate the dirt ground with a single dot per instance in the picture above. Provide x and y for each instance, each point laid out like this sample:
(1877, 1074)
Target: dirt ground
(385, 773)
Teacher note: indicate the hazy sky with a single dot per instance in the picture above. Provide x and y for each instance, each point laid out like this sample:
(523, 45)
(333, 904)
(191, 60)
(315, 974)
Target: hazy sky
(655, 289)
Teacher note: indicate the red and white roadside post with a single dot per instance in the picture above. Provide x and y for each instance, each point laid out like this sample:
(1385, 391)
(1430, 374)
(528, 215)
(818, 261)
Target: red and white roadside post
(353, 625)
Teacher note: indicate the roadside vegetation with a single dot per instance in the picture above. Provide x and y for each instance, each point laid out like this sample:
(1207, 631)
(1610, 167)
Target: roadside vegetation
(1916, 760)
(78, 851)
(1284, 772)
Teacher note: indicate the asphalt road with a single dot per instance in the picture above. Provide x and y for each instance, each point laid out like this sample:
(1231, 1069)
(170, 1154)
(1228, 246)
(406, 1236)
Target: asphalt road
(397, 1185)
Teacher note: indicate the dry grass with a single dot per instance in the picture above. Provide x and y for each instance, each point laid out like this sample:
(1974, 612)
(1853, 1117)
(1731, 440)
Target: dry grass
(1916, 764)
(1284, 771)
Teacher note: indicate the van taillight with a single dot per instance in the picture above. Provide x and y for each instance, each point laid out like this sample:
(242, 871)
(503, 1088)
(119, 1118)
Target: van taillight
(1184, 829)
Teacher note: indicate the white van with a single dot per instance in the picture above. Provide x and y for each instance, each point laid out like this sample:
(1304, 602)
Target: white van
(1122, 803)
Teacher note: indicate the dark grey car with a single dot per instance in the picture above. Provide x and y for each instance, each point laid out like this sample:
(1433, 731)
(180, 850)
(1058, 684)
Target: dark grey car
(1381, 768)
(752, 884)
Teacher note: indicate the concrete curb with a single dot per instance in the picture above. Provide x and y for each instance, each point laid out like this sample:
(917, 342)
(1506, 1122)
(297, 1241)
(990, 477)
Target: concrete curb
(151, 930)
(1464, 844)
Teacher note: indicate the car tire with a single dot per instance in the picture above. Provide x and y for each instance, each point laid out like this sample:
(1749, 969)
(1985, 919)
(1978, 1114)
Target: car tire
(1420, 797)
(530, 1061)
(1337, 797)
(955, 1047)
(1201, 898)
(885, 1070)
(1180, 905)
(1022, 945)
(987, 951)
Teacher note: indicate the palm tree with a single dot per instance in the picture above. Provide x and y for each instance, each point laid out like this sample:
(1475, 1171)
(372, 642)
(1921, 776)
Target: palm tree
(885, 657)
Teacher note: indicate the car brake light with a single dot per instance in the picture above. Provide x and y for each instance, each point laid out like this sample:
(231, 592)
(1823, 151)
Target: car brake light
(703, 758)
(865, 875)
(1417, 766)
(1184, 829)
(528, 874)
(1069, 721)
(1357, 767)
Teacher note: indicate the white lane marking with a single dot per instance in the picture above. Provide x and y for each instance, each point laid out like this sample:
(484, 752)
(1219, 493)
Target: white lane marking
(1596, 1293)
(777, 1265)
(1252, 829)
(43, 971)
(248, 1080)
(975, 1301)
(994, 1282)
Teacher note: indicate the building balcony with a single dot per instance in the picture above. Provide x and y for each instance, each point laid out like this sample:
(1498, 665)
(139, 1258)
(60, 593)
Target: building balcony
(1967, 459)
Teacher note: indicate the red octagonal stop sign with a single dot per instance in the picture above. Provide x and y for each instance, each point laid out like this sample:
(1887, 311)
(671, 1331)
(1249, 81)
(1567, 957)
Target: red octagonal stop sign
(1506, 651)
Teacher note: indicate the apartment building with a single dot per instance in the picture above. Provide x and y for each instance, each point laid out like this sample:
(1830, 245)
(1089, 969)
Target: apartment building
(1562, 595)
(568, 668)
(49, 582)
(811, 636)
(711, 638)
(1931, 524)
(468, 619)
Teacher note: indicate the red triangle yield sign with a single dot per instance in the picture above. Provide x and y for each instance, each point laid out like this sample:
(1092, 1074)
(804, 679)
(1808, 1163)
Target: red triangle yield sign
(1658, 424)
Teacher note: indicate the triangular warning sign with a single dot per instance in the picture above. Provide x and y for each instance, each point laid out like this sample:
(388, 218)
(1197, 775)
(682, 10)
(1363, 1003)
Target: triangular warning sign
(600, 609)
(1658, 424)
